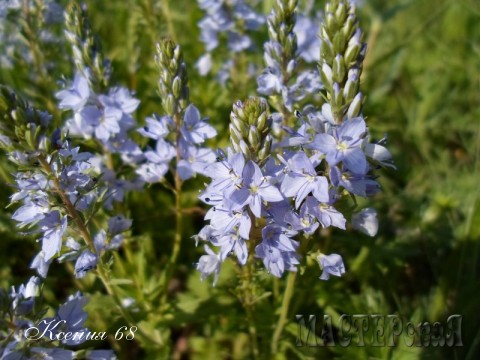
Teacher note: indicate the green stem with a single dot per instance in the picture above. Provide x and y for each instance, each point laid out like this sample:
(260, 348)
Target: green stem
(177, 241)
(248, 303)
(282, 320)
(287, 298)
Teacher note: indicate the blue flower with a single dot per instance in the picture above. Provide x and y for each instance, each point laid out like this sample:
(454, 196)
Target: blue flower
(270, 81)
(238, 42)
(230, 241)
(118, 224)
(254, 189)
(204, 64)
(77, 96)
(278, 250)
(302, 179)
(35, 207)
(209, 264)
(366, 221)
(344, 145)
(308, 41)
(163, 152)
(23, 299)
(302, 222)
(157, 127)
(325, 213)
(151, 172)
(71, 318)
(195, 160)
(225, 219)
(85, 262)
(331, 265)
(226, 174)
(40, 264)
(357, 184)
(53, 226)
(194, 129)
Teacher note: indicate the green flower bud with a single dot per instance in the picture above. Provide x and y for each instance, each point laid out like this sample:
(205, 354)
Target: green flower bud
(326, 75)
(326, 51)
(173, 80)
(341, 13)
(339, 69)
(254, 138)
(355, 107)
(177, 87)
(169, 105)
(341, 53)
(250, 127)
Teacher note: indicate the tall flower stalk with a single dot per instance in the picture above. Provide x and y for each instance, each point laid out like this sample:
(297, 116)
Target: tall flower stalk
(173, 91)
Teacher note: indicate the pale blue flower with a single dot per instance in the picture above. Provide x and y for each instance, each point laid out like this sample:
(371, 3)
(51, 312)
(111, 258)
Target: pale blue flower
(195, 161)
(157, 127)
(255, 189)
(40, 265)
(325, 213)
(366, 221)
(230, 241)
(225, 219)
(151, 172)
(118, 224)
(209, 264)
(77, 96)
(278, 250)
(72, 318)
(308, 40)
(331, 265)
(85, 262)
(204, 64)
(302, 179)
(195, 130)
(344, 145)
(357, 184)
(53, 225)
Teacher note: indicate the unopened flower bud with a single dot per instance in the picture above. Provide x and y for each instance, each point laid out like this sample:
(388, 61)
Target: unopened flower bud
(326, 74)
(339, 69)
(355, 107)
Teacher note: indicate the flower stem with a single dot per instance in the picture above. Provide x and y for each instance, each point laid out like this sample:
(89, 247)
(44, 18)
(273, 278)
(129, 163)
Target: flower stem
(287, 298)
(177, 240)
(282, 320)
(85, 233)
(248, 304)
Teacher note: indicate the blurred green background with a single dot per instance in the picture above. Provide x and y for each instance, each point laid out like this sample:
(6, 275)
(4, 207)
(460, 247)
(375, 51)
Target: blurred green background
(422, 82)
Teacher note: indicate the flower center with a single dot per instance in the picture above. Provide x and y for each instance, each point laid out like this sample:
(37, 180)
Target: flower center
(342, 146)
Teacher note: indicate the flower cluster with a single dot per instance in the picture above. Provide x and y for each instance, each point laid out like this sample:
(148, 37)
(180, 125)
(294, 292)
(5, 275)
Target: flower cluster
(193, 159)
(60, 192)
(294, 194)
(263, 199)
(232, 18)
(181, 131)
(104, 117)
